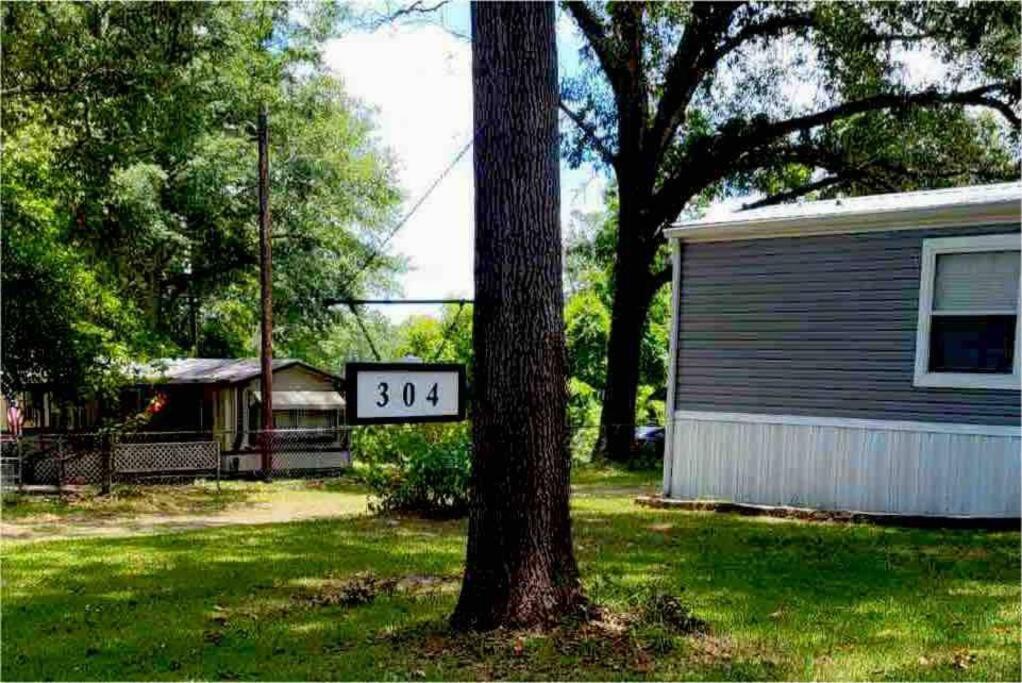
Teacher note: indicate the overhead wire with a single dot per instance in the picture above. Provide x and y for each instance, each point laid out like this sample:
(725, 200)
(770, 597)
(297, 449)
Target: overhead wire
(376, 252)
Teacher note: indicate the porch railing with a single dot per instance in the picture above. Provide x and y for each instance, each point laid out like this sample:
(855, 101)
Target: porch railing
(100, 459)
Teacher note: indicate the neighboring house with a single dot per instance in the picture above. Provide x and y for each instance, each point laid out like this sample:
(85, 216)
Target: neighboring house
(218, 399)
(223, 396)
(855, 354)
(42, 411)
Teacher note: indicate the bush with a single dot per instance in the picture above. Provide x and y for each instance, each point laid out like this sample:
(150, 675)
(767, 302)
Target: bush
(422, 469)
(583, 419)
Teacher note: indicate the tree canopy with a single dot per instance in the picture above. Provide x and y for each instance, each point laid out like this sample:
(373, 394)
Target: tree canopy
(129, 184)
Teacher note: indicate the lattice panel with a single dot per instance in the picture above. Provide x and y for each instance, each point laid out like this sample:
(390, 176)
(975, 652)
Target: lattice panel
(83, 468)
(165, 456)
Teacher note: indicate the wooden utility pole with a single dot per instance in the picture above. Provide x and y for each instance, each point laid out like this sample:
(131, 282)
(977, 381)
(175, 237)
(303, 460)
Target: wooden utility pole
(520, 569)
(265, 298)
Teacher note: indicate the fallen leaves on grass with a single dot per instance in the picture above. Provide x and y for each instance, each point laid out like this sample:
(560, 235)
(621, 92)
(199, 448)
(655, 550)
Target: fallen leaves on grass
(625, 641)
(364, 588)
(712, 650)
(670, 611)
(361, 589)
(963, 659)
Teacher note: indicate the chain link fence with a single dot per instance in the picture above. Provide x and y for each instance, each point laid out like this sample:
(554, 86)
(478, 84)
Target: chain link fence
(95, 458)
(69, 459)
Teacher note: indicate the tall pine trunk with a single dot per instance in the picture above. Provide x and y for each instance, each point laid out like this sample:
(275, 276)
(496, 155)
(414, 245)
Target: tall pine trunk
(520, 568)
(633, 294)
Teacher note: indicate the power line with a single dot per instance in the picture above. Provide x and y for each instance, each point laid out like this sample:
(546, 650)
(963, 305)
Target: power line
(395, 302)
(377, 250)
(375, 253)
(445, 333)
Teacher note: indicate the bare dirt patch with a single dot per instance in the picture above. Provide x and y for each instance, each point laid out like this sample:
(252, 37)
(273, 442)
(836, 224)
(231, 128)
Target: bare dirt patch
(283, 502)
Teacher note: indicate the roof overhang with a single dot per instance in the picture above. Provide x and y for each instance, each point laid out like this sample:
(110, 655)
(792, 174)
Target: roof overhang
(308, 400)
(1000, 204)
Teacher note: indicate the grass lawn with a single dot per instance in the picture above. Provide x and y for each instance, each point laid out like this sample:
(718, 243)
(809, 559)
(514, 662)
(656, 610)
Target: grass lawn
(783, 599)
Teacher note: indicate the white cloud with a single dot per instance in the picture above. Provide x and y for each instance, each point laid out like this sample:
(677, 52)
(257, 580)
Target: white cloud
(418, 79)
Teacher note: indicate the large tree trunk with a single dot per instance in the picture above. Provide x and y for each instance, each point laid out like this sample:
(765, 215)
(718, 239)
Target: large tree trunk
(520, 569)
(633, 294)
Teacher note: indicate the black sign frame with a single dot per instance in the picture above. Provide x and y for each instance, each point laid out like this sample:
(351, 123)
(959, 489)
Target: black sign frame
(352, 369)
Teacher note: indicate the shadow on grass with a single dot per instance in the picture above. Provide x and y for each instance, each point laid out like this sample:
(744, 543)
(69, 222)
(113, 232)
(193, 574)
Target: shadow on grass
(784, 600)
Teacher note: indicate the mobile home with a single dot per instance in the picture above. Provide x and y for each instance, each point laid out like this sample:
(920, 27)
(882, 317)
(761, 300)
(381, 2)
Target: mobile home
(854, 354)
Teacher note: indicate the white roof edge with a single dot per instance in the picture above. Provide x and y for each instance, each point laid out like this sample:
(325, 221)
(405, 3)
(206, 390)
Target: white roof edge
(952, 207)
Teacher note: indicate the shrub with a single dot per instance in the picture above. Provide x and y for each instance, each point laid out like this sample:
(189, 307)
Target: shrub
(583, 419)
(422, 469)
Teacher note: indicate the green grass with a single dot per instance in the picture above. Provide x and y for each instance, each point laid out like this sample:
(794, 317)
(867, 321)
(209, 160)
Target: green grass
(783, 599)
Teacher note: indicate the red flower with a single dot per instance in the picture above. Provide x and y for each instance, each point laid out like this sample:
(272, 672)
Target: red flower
(156, 404)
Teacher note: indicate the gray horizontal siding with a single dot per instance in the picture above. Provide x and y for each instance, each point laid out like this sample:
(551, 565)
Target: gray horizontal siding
(819, 325)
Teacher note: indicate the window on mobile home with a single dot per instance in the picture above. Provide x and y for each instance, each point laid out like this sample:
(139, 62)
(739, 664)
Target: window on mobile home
(968, 329)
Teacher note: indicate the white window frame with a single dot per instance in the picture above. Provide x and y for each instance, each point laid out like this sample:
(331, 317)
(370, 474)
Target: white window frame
(928, 270)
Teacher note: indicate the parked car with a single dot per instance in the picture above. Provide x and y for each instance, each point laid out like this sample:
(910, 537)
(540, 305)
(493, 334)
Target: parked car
(649, 440)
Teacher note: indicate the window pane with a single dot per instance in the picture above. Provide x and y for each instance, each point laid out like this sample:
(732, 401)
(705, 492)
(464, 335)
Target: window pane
(976, 281)
(972, 343)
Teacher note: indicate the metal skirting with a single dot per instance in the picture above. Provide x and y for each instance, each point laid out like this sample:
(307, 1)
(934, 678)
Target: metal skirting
(845, 465)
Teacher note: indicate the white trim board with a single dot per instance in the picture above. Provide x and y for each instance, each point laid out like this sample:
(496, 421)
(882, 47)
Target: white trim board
(672, 366)
(853, 423)
(961, 207)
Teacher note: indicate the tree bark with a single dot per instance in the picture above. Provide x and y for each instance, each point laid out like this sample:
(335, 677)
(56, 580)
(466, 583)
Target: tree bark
(633, 293)
(520, 568)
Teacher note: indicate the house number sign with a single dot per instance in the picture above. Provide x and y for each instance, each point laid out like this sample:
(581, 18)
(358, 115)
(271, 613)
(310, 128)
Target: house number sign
(379, 393)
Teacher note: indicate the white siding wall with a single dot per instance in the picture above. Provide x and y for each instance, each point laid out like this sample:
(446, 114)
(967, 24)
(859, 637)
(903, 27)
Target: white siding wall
(835, 464)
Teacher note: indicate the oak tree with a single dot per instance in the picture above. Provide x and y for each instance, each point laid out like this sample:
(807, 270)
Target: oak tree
(687, 101)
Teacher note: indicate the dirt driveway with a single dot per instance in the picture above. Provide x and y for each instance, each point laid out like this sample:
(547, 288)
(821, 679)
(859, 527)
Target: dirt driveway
(256, 504)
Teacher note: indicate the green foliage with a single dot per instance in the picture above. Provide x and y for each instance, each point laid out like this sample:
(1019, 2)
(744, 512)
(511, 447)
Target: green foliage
(421, 469)
(448, 338)
(129, 184)
(583, 419)
(587, 323)
(587, 318)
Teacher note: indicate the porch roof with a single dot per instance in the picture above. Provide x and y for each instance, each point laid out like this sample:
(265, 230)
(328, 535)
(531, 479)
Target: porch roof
(317, 400)
(210, 370)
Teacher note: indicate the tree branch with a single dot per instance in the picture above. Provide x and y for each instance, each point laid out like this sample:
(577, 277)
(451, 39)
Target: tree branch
(713, 158)
(590, 133)
(693, 58)
(631, 93)
(931, 97)
(1004, 108)
(773, 26)
(688, 67)
(662, 277)
(795, 193)
(417, 7)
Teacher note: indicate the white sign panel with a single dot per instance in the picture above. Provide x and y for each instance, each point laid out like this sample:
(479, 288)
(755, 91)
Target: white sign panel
(405, 392)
